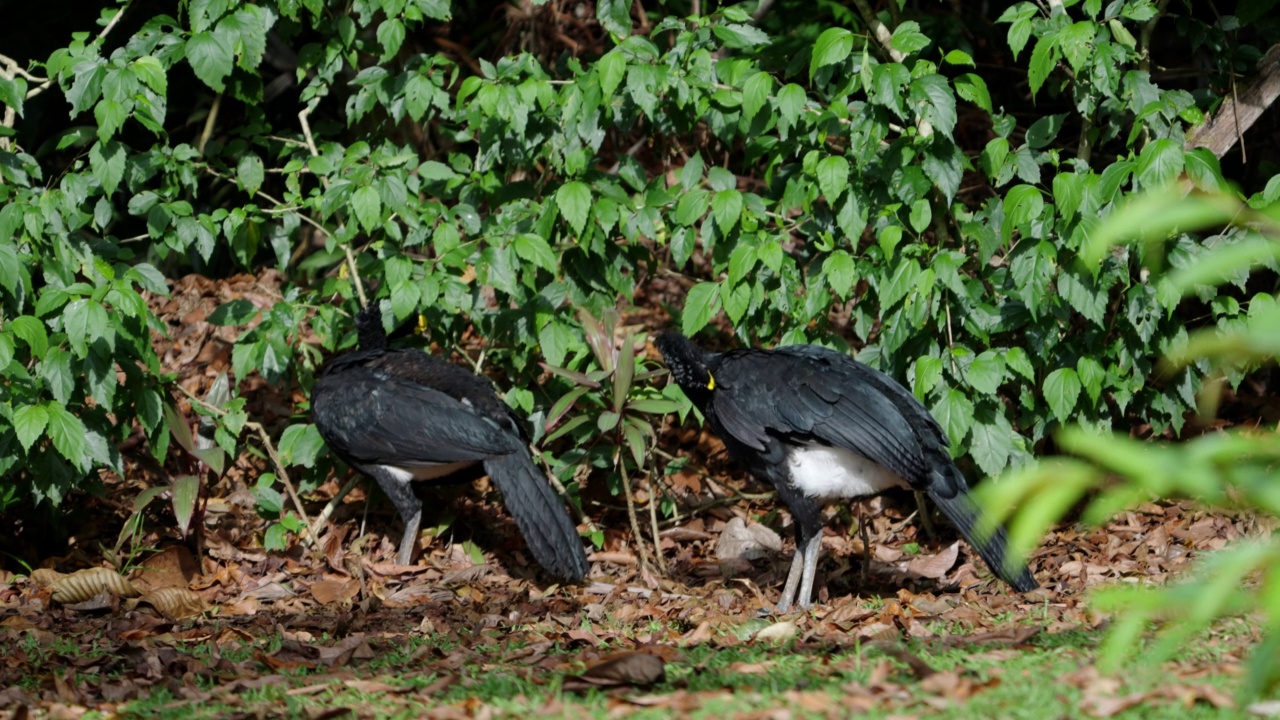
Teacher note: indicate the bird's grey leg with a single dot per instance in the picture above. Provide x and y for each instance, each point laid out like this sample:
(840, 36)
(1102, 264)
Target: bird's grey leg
(810, 552)
(793, 581)
(923, 509)
(395, 483)
(866, 542)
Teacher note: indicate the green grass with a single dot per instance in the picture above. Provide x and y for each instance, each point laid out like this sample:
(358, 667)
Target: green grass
(812, 680)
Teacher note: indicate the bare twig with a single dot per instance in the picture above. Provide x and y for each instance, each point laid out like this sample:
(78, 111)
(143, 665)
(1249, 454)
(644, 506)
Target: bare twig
(332, 505)
(1245, 106)
(210, 121)
(1144, 36)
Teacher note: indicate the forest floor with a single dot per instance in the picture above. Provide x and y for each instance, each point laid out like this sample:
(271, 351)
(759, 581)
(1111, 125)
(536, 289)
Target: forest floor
(474, 630)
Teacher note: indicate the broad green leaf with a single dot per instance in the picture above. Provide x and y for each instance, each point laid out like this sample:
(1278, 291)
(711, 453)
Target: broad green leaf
(367, 205)
(791, 99)
(32, 332)
(700, 305)
(1061, 390)
(740, 36)
(55, 368)
(921, 215)
(234, 312)
(1044, 130)
(1076, 43)
(68, 434)
(615, 17)
(1160, 162)
(574, 200)
(741, 261)
(250, 173)
(1091, 376)
(107, 162)
(391, 34)
(973, 88)
(210, 57)
(300, 445)
(832, 46)
(532, 248)
(29, 422)
(986, 372)
(755, 93)
(612, 68)
(726, 206)
(735, 299)
(1017, 360)
(954, 412)
(841, 272)
(928, 375)
(833, 177)
(992, 444)
(1043, 58)
(907, 38)
(1068, 193)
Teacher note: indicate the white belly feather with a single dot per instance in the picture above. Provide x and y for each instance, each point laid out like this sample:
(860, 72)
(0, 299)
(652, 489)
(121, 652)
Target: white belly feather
(828, 472)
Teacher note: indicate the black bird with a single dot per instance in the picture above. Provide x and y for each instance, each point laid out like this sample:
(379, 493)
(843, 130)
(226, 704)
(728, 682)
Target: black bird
(818, 425)
(403, 415)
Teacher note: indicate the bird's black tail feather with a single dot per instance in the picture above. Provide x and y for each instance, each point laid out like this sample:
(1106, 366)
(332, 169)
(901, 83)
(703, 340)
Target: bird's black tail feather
(960, 509)
(552, 539)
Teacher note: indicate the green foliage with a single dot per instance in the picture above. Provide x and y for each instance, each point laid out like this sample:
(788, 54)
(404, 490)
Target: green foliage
(802, 182)
(1234, 469)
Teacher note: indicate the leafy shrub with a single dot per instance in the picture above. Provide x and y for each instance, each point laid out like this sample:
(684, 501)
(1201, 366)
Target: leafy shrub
(795, 182)
(1232, 469)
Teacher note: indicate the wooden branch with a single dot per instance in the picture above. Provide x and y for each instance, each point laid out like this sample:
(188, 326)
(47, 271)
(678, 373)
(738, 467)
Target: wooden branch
(1239, 112)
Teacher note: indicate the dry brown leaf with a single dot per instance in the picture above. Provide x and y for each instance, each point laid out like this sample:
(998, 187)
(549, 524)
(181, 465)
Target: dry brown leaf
(373, 686)
(334, 591)
(175, 602)
(740, 541)
(171, 568)
(83, 585)
(44, 577)
(618, 670)
(779, 631)
(934, 566)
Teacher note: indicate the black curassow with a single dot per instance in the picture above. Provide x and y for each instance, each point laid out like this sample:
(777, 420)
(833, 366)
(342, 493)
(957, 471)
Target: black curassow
(399, 415)
(818, 425)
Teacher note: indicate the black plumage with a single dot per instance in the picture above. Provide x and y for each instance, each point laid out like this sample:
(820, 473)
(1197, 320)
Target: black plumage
(818, 425)
(399, 415)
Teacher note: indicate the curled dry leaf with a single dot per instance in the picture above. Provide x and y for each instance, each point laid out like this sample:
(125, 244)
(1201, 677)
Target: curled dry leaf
(740, 541)
(44, 577)
(620, 669)
(175, 603)
(934, 566)
(779, 631)
(85, 584)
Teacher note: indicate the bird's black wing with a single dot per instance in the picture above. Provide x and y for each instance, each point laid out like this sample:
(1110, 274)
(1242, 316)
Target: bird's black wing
(810, 394)
(371, 416)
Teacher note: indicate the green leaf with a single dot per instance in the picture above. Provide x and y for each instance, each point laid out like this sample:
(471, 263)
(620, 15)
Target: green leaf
(1091, 377)
(612, 68)
(741, 261)
(186, 490)
(532, 248)
(1016, 359)
(928, 375)
(833, 46)
(791, 99)
(973, 88)
(735, 299)
(55, 368)
(1044, 130)
(250, 173)
(700, 305)
(29, 422)
(107, 162)
(367, 205)
(234, 312)
(992, 444)
(615, 17)
(210, 57)
(755, 93)
(921, 215)
(391, 34)
(68, 434)
(1160, 162)
(907, 38)
(1076, 42)
(958, 57)
(954, 412)
(1043, 58)
(726, 206)
(692, 206)
(1061, 389)
(32, 332)
(300, 444)
(740, 36)
(841, 272)
(833, 177)
(986, 372)
(574, 200)
(1068, 192)
(607, 421)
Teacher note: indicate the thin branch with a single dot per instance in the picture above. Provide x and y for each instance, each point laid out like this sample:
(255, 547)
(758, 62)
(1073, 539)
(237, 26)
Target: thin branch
(332, 505)
(210, 121)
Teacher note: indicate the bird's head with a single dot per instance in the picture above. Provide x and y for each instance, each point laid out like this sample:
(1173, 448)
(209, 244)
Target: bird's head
(689, 365)
(369, 328)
